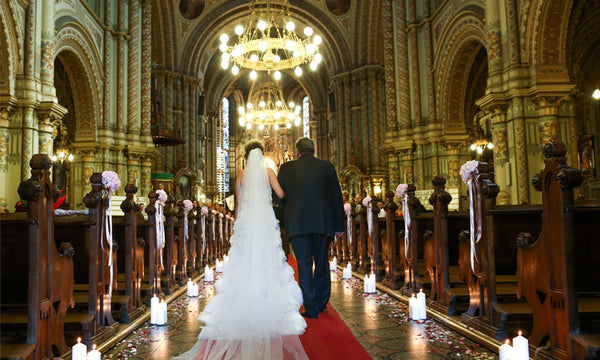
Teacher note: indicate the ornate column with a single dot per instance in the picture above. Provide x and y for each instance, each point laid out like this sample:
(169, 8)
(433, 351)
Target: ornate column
(133, 72)
(393, 170)
(107, 68)
(6, 184)
(319, 123)
(49, 114)
(169, 118)
(419, 170)
(389, 58)
(512, 17)
(414, 61)
(346, 105)
(435, 160)
(146, 168)
(88, 157)
(186, 134)
(193, 118)
(146, 72)
(366, 139)
(406, 163)
(454, 164)
(429, 64)
(517, 109)
(501, 156)
(495, 62)
(28, 145)
(47, 52)
(339, 118)
(121, 67)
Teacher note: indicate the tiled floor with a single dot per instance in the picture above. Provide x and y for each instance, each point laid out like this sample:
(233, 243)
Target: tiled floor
(379, 322)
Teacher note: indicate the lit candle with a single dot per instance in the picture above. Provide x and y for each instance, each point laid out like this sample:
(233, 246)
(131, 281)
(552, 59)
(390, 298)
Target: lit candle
(366, 283)
(413, 311)
(79, 350)
(194, 291)
(94, 354)
(373, 281)
(422, 305)
(207, 274)
(506, 351)
(154, 310)
(520, 348)
(162, 313)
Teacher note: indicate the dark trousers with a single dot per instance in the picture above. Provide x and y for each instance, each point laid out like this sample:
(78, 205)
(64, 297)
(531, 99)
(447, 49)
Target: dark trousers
(316, 287)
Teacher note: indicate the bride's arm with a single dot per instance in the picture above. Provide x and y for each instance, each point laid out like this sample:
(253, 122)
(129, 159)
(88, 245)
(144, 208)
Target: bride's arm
(275, 183)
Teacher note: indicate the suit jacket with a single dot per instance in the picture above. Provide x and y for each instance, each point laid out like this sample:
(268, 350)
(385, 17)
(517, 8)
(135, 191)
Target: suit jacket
(313, 201)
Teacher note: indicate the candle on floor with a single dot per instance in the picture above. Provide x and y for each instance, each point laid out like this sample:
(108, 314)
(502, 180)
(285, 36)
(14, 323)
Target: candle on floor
(154, 309)
(195, 290)
(520, 348)
(162, 313)
(79, 350)
(208, 274)
(413, 308)
(367, 284)
(94, 354)
(506, 351)
(190, 284)
(373, 281)
(422, 305)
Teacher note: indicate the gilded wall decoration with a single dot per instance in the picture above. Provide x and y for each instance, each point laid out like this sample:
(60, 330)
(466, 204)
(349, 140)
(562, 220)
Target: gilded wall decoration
(547, 131)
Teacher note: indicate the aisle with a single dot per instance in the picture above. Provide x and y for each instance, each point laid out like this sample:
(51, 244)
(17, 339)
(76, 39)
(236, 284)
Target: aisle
(379, 322)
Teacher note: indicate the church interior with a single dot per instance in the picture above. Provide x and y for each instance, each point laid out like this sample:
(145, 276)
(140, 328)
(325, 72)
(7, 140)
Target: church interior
(464, 134)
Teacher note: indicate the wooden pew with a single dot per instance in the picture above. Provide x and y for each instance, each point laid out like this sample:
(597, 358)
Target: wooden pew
(146, 230)
(201, 248)
(37, 292)
(169, 282)
(390, 244)
(182, 246)
(409, 258)
(558, 271)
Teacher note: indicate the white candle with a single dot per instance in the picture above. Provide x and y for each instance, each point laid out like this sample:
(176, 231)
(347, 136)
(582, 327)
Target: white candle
(413, 311)
(373, 281)
(194, 291)
(154, 309)
(520, 348)
(79, 350)
(422, 305)
(207, 274)
(161, 317)
(164, 311)
(366, 283)
(506, 351)
(94, 354)
(190, 284)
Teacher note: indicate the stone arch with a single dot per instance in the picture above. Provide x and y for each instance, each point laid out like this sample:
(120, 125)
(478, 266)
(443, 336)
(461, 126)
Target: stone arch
(10, 49)
(459, 47)
(79, 57)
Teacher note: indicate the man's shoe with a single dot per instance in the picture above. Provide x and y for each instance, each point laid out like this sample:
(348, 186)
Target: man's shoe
(308, 316)
(323, 309)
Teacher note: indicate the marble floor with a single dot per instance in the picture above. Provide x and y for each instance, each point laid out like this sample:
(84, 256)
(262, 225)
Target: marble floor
(379, 322)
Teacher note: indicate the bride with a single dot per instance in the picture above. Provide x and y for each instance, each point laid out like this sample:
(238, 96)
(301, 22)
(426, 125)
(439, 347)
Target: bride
(255, 312)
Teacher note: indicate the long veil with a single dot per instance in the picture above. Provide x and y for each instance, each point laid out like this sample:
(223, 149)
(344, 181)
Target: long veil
(255, 312)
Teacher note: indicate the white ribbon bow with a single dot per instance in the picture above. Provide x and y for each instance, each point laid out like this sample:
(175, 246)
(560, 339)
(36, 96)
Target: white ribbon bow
(160, 229)
(407, 224)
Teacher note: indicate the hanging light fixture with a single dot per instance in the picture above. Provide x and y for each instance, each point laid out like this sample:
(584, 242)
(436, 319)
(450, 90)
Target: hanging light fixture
(269, 42)
(266, 107)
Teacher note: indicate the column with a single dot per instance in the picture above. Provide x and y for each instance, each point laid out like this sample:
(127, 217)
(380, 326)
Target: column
(402, 65)
(414, 62)
(429, 65)
(185, 131)
(320, 125)
(393, 170)
(47, 52)
(6, 186)
(88, 157)
(512, 17)
(345, 105)
(366, 137)
(341, 121)
(406, 163)
(169, 158)
(521, 161)
(146, 72)
(495, 61)
(108, 39)
(193, 118)
(133, 171)
(29, 144)
(133, 72)
(389, 58)
(501, 156)
(146, 168)
(121, 77)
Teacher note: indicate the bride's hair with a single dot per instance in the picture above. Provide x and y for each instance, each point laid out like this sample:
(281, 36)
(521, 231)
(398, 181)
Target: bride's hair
(251, 145)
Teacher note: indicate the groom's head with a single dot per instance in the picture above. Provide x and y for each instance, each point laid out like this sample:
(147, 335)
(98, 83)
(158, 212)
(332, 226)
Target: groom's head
(305, 145)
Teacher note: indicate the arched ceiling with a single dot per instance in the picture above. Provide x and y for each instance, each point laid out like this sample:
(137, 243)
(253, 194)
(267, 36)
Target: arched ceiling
(198, 55)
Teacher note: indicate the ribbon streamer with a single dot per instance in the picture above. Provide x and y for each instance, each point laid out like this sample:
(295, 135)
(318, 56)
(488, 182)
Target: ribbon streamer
(370, 219)
(160, 230)
(185, 231)
(109, 238)
(474, 236)
(203, 225)
(407, 224)
(349, 226)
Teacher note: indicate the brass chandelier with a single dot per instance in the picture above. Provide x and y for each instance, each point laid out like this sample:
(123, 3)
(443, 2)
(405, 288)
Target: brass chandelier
(266, 107)
(268, 42)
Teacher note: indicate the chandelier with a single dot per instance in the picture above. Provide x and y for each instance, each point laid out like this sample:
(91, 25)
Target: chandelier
(480, 145)
(266, 107)
(268, 42)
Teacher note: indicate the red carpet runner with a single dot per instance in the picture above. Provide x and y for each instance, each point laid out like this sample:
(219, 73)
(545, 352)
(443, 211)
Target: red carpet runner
(328, 337)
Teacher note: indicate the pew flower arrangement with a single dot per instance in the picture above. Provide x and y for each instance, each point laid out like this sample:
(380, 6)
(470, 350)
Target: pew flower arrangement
(213, 211)
(204, 210)
(347, 207)
(366, 201)
(111, 183)
(187, 207)
(160, 225)
(467, 172)
(402, 192)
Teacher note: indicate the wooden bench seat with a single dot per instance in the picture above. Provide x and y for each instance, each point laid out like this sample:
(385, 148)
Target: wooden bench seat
(586, 345)
(82, 298)
(16, 351)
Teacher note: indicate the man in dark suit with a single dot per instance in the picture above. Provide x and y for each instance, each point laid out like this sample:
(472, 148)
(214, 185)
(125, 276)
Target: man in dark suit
(313, 213)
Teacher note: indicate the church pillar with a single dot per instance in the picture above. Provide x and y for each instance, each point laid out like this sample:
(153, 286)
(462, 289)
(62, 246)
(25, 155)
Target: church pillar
(133, 73)
(512, 16)
(500, 151)
(122, 76)
(495, 63)
(414, 62)
(6, 183)
(108, 38)
(362, 114)
(146, 72)
(389, 58)
(419, 169)
(346, 105)
(29, 143)
(185, 130)
(429, 65)
(169, 159)
(406, 164)
(435, 165)
(47, 52)
(133, 171)
(193, 135)
(519, 166)
(454, 164)
(211, 150)
(320, 125)
(88, 157)
(146, 168)
(393, 170)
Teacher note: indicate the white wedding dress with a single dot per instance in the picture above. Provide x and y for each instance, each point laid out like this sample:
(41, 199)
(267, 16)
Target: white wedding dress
(254, 314)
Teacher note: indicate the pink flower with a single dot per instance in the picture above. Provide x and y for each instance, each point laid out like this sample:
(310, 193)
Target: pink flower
(188, 205)
(204, 210)
(401, 190)
(221, 215)
(162, 195)
(347, 207)
(111, 181)
(467, 170)
(366, 201)
(213, 211)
